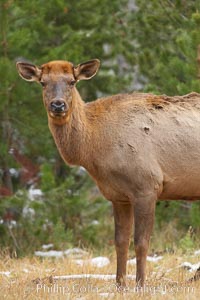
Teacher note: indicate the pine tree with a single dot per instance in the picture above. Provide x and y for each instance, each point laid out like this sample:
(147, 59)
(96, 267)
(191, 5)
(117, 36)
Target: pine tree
(167, 38)
(46, 30)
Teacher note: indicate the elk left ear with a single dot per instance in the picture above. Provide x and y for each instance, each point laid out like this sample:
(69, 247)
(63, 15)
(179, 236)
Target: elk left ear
(86, 70)
(28, 71)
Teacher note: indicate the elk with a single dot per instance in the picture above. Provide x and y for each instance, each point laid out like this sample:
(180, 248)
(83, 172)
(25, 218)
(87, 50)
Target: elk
(139, 148)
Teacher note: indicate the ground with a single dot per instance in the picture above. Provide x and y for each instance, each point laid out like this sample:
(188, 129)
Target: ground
(38, 278)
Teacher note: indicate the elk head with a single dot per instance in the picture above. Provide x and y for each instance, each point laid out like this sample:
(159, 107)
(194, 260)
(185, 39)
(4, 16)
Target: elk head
(58, 79)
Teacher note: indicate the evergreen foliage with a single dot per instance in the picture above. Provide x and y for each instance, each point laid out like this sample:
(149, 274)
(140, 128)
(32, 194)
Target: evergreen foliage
(167, 35)
(41, 31)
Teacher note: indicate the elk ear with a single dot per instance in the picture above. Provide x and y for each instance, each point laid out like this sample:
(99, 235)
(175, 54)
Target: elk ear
(86, 70)
(28, 71)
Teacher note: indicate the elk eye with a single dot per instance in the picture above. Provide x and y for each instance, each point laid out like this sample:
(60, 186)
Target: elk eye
(42, 83)
(72, 83)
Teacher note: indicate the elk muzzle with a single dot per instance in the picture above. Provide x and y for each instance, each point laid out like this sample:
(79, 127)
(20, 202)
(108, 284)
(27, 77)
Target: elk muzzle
(58, 107)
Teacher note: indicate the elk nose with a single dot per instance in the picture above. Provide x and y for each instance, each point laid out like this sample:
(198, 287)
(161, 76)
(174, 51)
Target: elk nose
(58, 106)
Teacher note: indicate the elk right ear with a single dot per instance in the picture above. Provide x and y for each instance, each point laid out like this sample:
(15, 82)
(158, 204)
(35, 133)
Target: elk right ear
(87, 69)
(28, 71)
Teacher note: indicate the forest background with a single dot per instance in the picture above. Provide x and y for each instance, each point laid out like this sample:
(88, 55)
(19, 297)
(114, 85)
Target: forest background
(148, 46)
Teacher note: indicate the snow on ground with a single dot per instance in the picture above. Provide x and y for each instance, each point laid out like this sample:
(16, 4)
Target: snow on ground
(51, 253)
(74, 252)
(149, 258)
(190, 267)
(25, 270)
(28, 212)
(94, 222)
(197, 252)
(98, 262)
(78, 255)
(6, 273)
(34, 194)
(14, 172)
(154, 258)
(48, 246)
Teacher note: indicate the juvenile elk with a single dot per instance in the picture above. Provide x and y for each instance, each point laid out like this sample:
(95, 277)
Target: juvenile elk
(139, 148)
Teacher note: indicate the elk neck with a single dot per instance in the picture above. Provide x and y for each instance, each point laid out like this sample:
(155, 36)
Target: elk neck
(72, 138)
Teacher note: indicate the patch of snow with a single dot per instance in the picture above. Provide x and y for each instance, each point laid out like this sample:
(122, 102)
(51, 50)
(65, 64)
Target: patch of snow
(34, 194)
(81, 171)
(107, 48)
(98, 262)
(51, 253)
(48, 224)
(131, 261)
(48, 246)
(6, 273)
(28, 212)
(13, 172)
(154, 258)
(197, 252)
(75, 252)
(95, 222)
(89, 33)
(26, 270)
(12, 223)
(190, 267)
(69, 192)
(79, 262)
(149, 258)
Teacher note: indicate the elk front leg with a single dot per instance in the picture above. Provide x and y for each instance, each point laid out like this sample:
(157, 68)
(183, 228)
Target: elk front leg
(123, 216)
(144, 212)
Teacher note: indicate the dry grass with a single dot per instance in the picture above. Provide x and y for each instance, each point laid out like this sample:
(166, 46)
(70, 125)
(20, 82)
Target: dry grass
(32, 278)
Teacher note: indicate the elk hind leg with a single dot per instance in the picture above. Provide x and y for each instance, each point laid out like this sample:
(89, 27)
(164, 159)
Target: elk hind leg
(144, 212)
(123, 216)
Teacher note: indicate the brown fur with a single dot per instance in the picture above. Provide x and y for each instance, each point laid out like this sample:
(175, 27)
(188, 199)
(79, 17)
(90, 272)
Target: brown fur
(138, 148)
